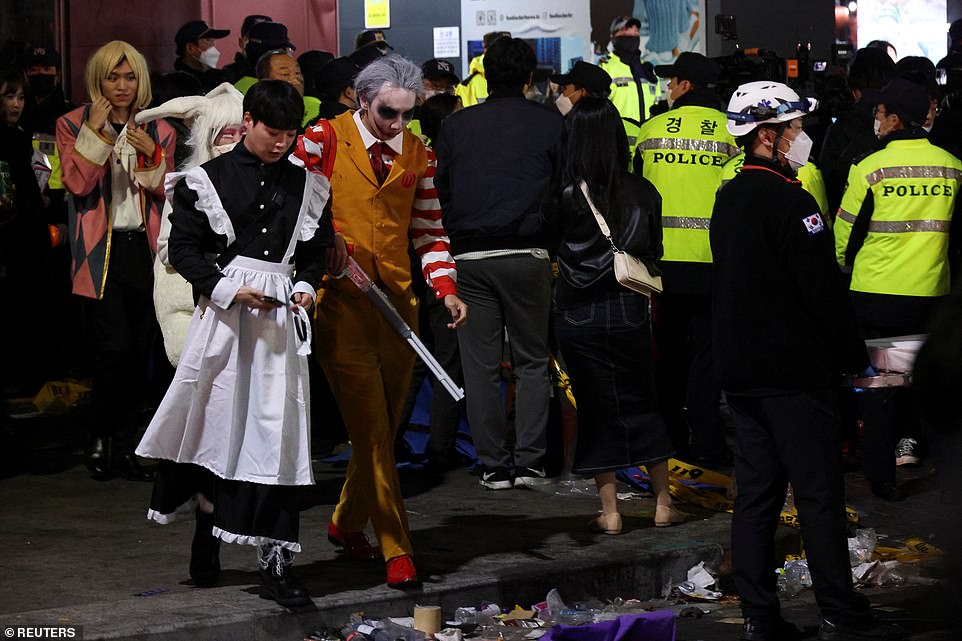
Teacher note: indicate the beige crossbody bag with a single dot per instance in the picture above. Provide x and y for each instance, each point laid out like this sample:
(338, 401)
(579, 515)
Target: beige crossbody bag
(630, 271)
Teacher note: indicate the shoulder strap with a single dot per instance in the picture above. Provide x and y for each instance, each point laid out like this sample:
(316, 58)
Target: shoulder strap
(598, 217)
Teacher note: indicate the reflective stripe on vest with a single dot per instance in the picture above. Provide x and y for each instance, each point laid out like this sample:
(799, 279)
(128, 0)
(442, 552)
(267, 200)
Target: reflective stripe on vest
(912, 172)
(690, 144)
(685, 222)
(899, 226)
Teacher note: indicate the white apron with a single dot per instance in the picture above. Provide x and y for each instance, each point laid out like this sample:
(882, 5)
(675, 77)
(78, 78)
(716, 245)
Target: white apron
(239, 404)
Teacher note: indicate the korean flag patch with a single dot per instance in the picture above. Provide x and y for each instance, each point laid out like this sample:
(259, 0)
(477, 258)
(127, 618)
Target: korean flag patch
(813, 224)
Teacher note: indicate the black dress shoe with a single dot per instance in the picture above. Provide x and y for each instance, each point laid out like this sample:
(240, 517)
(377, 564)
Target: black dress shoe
(887, 491)
(128, 467)
(204, 552)
(285, 589)
(768, 630)
(870, 631)
(97, 457)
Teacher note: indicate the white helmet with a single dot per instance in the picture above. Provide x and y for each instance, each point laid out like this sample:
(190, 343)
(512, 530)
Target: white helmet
(763, 101)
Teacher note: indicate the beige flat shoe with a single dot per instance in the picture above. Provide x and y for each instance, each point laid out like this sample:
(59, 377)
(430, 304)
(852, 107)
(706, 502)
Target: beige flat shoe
(607, 523)
(667, 515)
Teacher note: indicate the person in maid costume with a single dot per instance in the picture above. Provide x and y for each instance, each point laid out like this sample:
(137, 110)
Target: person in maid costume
(232, 432)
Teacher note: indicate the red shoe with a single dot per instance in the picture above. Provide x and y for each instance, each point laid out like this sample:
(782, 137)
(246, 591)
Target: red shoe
(401, 572)
(356, 544)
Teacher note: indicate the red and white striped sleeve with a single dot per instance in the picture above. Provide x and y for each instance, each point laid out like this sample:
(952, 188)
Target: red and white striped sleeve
(316, 149)
(428, 236)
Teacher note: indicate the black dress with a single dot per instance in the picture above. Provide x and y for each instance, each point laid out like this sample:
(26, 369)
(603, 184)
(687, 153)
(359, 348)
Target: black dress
(604, 329)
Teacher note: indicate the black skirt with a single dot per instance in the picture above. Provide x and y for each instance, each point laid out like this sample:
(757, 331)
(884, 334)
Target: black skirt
(244, 512)
(606, 347)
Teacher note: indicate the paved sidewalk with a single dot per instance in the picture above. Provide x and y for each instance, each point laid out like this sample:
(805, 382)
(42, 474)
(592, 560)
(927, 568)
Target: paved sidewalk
(81, 552)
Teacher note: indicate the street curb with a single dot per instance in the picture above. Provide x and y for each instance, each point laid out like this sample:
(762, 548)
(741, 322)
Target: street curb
(223, 615)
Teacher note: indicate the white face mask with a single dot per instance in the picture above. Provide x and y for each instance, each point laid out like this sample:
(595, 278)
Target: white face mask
(564, 105)
(220, 150)
(210, 56)
(877, 125)
(799, 150)
(928, 129)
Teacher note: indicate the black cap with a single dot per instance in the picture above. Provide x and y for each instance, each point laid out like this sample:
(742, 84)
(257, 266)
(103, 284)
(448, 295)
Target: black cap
(907, 100)
(44, 56)
(372, 36)
(436, 69)
(623, 22)
(367, 54)
(314, 59)
(333, 77)
(584, 74)
(195, 30)
(690, 66)
(270, 35)
(250, 21)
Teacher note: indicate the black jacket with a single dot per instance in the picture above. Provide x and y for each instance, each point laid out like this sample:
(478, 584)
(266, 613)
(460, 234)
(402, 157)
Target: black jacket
(209, 78)
(495, 162)
(781, 314)
(585, 257)
(238, 69)
(850, 137)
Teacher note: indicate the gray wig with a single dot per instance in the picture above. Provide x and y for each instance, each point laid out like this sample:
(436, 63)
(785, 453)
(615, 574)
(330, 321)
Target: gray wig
(392, 71)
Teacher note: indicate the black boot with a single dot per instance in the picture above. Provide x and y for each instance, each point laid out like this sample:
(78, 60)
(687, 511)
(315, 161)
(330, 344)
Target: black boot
(204, 552)
(128, 467)
(278, 583)
(97, 457)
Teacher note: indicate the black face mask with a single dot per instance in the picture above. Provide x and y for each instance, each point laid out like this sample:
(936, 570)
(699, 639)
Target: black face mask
(627, 44)
(42, 84)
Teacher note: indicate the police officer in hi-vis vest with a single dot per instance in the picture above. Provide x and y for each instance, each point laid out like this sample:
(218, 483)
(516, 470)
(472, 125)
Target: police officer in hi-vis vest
(682, 152)
(894, 233)
(633, 82)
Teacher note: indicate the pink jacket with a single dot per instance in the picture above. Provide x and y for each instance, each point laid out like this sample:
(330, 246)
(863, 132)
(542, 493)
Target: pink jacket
(87, 158)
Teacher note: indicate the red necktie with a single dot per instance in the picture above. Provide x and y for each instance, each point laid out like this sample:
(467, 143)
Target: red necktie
(381, 168)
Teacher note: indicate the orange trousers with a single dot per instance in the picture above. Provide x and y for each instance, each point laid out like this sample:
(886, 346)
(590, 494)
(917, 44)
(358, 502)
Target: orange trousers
(369, 367)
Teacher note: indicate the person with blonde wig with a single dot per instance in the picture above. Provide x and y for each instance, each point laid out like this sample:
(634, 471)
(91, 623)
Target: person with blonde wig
(113, 171)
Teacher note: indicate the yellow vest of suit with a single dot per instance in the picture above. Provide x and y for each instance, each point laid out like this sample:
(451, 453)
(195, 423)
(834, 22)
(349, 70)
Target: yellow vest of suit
(375, 218)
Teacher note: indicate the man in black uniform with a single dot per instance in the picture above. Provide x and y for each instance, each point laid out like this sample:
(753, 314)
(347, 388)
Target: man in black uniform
(783, 333)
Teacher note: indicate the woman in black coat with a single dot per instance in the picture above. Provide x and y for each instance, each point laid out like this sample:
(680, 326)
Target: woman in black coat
(603, 328)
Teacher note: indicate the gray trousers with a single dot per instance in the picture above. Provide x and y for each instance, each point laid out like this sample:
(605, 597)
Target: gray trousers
(514, 293)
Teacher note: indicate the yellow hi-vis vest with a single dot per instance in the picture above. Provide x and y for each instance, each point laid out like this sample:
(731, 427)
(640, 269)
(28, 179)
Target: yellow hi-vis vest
(813, 183)
(47, 144)
(809, 175)
(684, 151)
(909, 187)
(474, 89)
(624, 95)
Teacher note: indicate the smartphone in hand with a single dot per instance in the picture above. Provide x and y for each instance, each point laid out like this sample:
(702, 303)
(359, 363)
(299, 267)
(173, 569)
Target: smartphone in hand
(270, 300)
